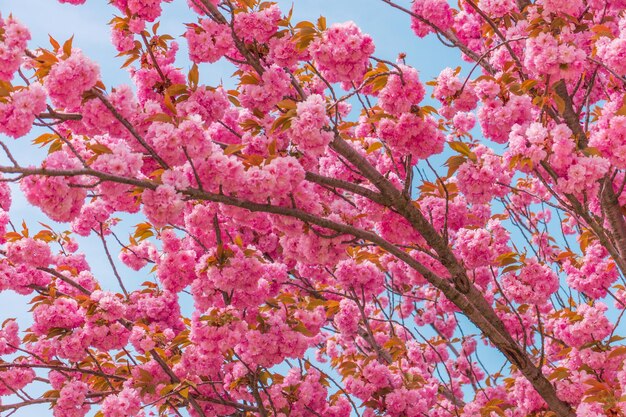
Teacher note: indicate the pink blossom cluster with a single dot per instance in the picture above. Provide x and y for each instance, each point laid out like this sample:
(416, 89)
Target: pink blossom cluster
(270, 347)
(208, 103)
(63, 313)
(609, 134)
(21, 278)
(497, 8)
(56, 196)
(342, 53)
(163, 205)
(257, 26)
(571, 8)
(19, 112)
(150, 83)
(362, 277)
(274, 84)
(612, 53)
(244, 278)
(147, 10)
(348, 317)
(126, 403)
(306, 392)
(481, 247)
(401, 92)
(587, 324)
(276, 180)
(13, 39)
(546, 56)
(9, 338)
(534, 284)
(155, 307)
(455, 94)
(484, 179)
(307, 128)
(28, 251)
(136, 257)
(209, 41)
(98, 119)
(123, 40)
(70, 78)
(412, 135)
(594, 274)
(468, 24)
(529, 142)
(176, 265)
(497, 117)
(71, 402)
(435, 12)
(583, 175)
(15, 378)
(283, 52)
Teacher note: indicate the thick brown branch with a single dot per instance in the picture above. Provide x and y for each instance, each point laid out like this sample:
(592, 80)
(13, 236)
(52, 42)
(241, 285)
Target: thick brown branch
(614, 215)
(569, 115)
(345, 185)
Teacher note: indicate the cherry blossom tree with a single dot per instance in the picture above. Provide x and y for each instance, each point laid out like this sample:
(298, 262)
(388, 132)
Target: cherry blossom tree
(335, 267)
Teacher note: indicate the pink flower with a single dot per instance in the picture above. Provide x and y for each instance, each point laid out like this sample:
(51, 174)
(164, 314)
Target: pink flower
(497, 118)
(123, 40)
(401, 91)
(71, 402)
(162, 206)
(70, 78)
(147, 10)
(136, 257)
(484, 179)
(13, 39)
(412, 135)
(436, 12)
(569, 7)
(306, 128)
(342, 53)
(481, 247)
(63, 313)
(9, 338)
(208, 41)
(545, 55)
(534, 284)
(29, 251)
(55, 195)
(126, 403)
(364, 276)
(589, 323)
(348, 317)
(257, 26)
(497, 8)
(594, 274)
(274, 84)
(210, 104)
(14, 379)
(18, 114)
